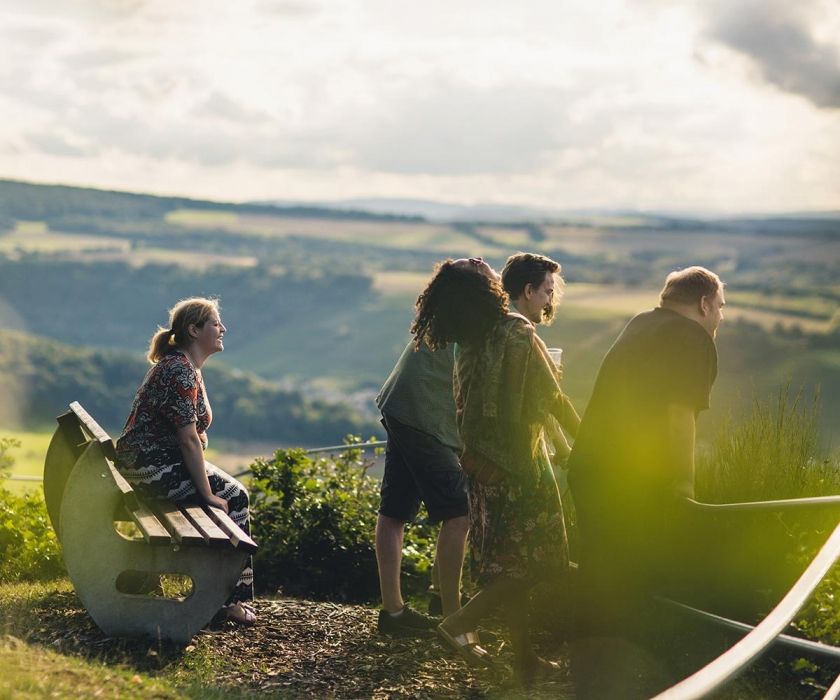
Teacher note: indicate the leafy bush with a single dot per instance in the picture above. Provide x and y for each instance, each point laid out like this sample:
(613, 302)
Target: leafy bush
(314, 518)
(29, 550)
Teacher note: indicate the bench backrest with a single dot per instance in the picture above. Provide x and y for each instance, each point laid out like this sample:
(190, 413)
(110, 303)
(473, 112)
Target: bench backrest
(160, 522)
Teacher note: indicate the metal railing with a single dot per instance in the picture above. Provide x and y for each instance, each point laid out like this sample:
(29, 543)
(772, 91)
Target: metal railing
(729, 664)
(332, 448)
(813, 503)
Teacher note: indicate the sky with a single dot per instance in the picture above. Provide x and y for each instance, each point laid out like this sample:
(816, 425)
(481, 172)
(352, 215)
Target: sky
(690, 105)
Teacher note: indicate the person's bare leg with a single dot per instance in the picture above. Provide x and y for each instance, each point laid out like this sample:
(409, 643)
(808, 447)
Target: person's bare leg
(389, 542)
(481, 604)
(449, 559)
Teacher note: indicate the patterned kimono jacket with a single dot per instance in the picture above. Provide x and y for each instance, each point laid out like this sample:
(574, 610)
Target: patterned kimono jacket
(504, 391)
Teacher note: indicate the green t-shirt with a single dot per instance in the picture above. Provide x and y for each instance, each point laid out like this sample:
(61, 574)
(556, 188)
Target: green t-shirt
(419, 393)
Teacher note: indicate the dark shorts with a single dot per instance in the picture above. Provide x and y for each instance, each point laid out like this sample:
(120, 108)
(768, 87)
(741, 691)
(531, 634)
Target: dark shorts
(420, 468)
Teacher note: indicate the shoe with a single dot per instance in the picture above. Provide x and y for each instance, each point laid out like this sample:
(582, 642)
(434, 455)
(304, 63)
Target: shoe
(436, 604)
(468, 646)
(409, 623)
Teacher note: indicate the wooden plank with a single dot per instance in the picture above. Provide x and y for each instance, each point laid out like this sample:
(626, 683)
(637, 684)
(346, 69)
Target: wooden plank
(128, 494)
(94, 430)
(69, 423)
(238, 536)
(178, 526)
(150, 526)
(213, 535)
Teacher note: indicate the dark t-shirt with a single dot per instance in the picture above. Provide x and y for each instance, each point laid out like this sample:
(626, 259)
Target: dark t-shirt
(660, 358)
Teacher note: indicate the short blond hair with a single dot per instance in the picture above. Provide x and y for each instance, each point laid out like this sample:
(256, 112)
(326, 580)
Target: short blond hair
(186, 313)
(689, 285)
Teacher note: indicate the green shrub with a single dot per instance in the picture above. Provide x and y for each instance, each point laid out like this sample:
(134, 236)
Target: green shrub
(314, 519)
(29, 550)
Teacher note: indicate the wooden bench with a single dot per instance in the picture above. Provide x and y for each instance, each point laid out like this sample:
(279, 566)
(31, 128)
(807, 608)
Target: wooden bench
(87, 499)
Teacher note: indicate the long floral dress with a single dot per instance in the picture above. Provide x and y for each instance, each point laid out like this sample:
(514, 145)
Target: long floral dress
(171, 396)
(504, 391)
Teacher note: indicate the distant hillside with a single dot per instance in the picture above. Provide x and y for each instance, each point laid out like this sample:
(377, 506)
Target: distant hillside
(41, 377)
(325, 301)
(281, 325)
(55, 204)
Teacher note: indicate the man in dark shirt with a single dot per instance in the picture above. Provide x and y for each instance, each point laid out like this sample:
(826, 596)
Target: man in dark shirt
(634, 453)
(631, 466)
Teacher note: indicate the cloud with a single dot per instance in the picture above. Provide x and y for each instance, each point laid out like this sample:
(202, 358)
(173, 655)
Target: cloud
(99, 58)
(288, 8)
(55, 145)
(452, 128)
(777, 37)
(220, 106)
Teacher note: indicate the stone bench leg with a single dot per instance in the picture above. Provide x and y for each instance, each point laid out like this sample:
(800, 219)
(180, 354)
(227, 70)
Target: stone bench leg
(96, 554)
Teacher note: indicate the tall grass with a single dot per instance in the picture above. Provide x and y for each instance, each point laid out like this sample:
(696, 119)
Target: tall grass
(772, 452)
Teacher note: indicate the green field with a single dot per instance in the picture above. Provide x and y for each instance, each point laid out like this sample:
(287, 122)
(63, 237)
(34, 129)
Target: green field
(28, 458)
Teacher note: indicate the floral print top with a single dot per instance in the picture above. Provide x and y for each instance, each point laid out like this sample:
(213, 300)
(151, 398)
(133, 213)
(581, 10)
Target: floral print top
(171, 396)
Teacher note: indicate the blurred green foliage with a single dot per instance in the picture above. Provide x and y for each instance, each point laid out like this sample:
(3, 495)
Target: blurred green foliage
(314, 519)
(29, 550)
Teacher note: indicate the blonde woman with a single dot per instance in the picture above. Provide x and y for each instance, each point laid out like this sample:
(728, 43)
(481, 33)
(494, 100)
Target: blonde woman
(161, 449)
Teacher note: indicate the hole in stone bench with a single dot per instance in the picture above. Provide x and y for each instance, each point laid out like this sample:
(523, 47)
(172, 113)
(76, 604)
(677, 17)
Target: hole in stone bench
(155, 585)
(129, 530)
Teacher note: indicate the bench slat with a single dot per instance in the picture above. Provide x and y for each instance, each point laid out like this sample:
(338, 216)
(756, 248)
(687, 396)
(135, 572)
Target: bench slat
(128, 494)
(95, 431)
(213, 535)
(237, 535)
(150, 526)
(174, 520)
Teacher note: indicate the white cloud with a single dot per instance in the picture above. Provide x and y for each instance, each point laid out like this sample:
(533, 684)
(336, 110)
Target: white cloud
(611, 103)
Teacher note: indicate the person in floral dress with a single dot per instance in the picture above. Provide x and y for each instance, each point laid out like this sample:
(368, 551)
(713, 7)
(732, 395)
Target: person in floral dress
(505, 387)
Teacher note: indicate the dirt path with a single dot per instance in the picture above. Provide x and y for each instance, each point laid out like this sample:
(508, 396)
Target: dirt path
(298, 649)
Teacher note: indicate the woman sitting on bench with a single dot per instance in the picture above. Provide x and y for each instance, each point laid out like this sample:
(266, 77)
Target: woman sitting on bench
(161, 449)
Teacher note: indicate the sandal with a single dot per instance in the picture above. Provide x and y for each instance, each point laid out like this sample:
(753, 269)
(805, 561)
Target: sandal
(468, 646)
(247, 618)
(538, 669)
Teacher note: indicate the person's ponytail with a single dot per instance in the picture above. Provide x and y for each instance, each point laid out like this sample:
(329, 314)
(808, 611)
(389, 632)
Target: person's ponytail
(160, 343)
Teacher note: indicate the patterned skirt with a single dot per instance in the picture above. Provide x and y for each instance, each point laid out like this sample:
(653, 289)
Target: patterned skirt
(517, 530)
(161, 474)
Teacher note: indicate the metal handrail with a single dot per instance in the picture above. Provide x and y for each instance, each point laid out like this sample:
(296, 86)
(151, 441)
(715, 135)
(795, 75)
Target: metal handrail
(812, 503)
(802, 645)
(729, 664)
(834, 691)
(331, 448)
(354, 446)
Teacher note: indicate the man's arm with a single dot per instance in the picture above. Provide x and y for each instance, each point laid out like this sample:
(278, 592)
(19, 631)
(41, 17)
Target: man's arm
(681, 434)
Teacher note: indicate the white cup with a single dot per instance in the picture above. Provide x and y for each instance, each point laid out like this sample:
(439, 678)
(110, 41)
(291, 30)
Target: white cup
(556, 355)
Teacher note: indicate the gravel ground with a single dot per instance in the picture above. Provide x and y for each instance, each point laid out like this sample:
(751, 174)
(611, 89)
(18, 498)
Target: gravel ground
(298, 648)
